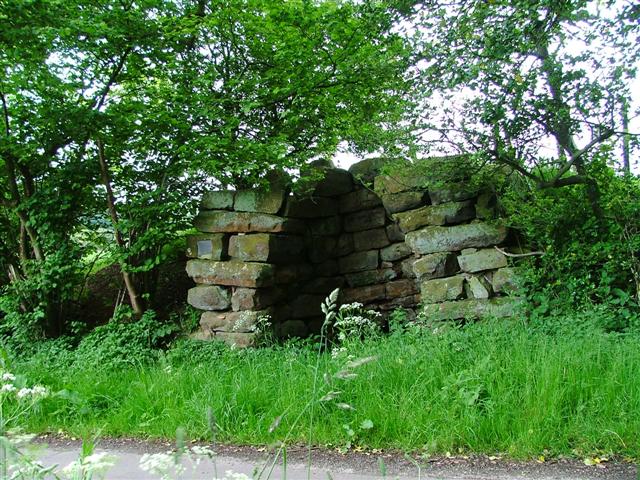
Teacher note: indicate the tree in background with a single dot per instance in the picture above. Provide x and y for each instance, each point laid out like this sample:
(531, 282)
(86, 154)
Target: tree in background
(118, 112)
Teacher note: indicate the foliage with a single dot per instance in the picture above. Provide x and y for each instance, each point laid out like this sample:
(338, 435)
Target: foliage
(121, 342)
(565, 394)
(589, 261)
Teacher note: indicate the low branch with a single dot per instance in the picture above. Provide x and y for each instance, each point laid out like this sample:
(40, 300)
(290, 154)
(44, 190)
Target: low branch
(518, 255)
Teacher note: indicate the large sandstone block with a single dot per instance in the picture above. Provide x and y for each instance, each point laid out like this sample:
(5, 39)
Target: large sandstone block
(401, 288)
(452, 192)
(477, 287)
(471, 309)
(370, 239)
(360, 199)
(212, 246)
(233, 273)
(396, 251)
(505, 280)
(442, 289)
(336, 182)
(237, 322)
(402, 201)
(365, 220)
(311, 207)
(366, 170)
(345, 244)
(444, 214)
(218, 200)
(435, 265)
(454, 238)
(215, 221)
(209, 297)
(321, 248)
(400, 182)
(260, 201)
(325, 226)
(255, 299)
(486, 206)
(266, 247)
(370, 277)
(394, 233)
(367, 294)
(359, 261)
(485, 259)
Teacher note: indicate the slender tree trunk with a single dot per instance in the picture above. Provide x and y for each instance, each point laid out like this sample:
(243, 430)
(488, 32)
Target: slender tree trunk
(626, 164)
(132, 291)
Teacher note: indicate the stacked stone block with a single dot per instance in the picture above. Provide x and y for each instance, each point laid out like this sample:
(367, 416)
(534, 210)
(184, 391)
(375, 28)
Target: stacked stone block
(398, 244)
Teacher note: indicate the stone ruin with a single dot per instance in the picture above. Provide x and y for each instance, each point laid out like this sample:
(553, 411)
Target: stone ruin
(398, 245)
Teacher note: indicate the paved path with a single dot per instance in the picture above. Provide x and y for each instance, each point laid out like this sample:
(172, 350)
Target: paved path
(339, 467)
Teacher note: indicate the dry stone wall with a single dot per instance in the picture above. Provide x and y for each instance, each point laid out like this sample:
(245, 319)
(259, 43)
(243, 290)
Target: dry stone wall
(397, 244)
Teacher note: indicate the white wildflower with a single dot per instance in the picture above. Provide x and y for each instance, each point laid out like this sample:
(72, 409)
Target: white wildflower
(8, 377)
(231, 475)
(202, 451)
(164, 464)
(7, 388)
(23, 392)
(92, 465)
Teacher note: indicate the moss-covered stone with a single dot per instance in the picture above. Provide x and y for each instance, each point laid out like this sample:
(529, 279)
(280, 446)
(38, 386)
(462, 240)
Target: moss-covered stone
(370, 239)
(218, 200)
(365, 220)
(402, 201)
(210, 246)
(445, 214)
(470, 309)
(209, 297)
(442, 289)
(435, 265)
(485, 259)
(456, 237)
(267, 247)
(260, 201)
(218, 221)
(359, 261)
(233, 273)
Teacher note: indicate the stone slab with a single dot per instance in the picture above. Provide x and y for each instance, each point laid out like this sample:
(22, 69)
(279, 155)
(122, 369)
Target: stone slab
(370, 277)
(442, 289)
(455, 238)
(485, 259)
(401, 288)
(267, 247)
(403, 201)
(233, 322)
(370, 239)
(365, 295)
(219, 221)
(477, 287)
(232, 273)
(218, 200)
(452, 192)
(209, 297)
(260, 201)
(444, 214)
(336, 182)
(255, 298)
(310, 207)
(359, 261)
(396, 251)
(505, 280)
(435, 265)
(327, 226)
(210, 246)
(359, 199)
(365, 220)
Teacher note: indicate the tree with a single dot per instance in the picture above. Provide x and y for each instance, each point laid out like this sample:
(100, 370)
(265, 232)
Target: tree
(118, 112)
(518, 77)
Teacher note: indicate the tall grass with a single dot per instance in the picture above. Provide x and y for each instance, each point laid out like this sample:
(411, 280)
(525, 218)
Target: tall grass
(488, 387)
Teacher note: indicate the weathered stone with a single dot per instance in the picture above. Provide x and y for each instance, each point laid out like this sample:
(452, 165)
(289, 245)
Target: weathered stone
(442, 289)
(400, 182)
(486, 206)
(396, 251)
(235, 339)
(345, 244)
(453, 192)
(325, 226)
(406, 267)
(366, 170)
(471, 309)
(233, 273)
(212, 246)
(394, 233)
(231, 321)
(293, 273)
(370, 277)
(435, 265)
(360, 199)
(292, 328)
(370, 239)
(218, 200)
(468, 251)
(266, 247)
(386, 264)
(323, 285)
(365, 220)
(400, 202)
(245, 222)
(208, 297)
(457, 237)
(310, 207)
(321, 248)
(259, 200)
(327, 268)
(505, 280)
(254, 299)
(359, 261)
(401, 288)
(306, 305)
(367, 294)
(477, 287)
(410, 301)
(447, 213)
(335, 182)
(485, 259)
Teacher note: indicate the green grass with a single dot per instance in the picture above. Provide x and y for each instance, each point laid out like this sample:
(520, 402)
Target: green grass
(486, 388)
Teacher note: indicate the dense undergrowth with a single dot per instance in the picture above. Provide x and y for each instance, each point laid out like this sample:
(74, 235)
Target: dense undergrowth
(487, 387)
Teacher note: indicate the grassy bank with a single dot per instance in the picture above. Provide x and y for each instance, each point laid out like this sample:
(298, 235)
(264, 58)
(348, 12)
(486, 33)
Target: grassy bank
(486, 388)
